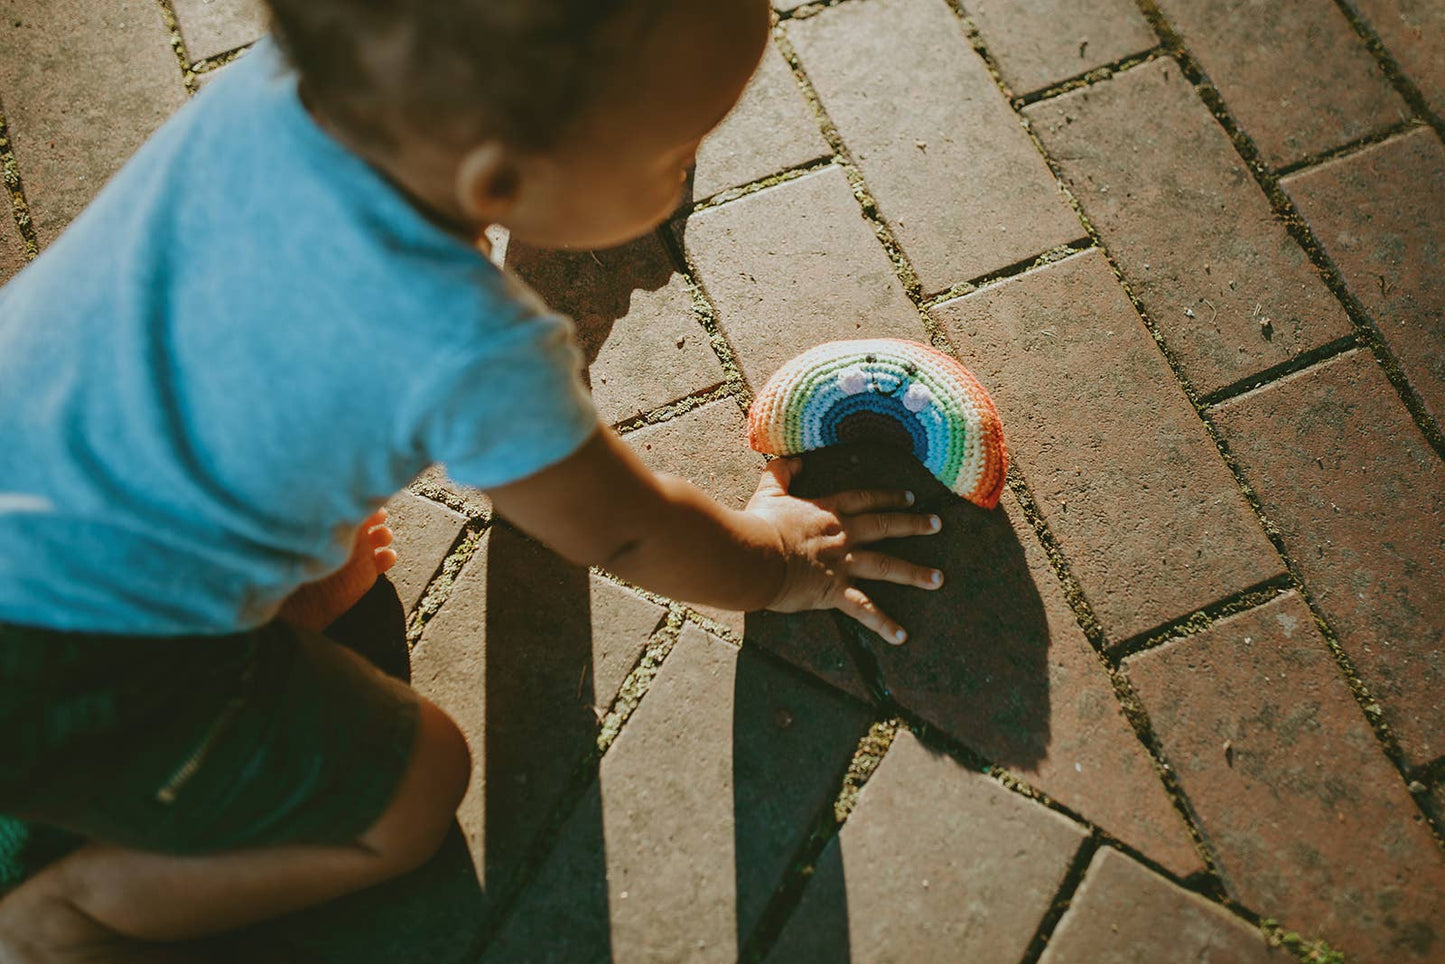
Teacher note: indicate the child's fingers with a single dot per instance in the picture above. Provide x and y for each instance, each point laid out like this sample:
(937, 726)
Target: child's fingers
(876, 526)
(384, 559)
(885, 568)
(867, 500)
(374, 520)
(778, 475)
(380, 536)
(855, 603)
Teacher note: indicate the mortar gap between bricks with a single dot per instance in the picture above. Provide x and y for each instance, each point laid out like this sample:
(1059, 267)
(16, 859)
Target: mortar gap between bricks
(1428, 774)
(15, 188)
(705, 313)
(213, 63)
(675, 408)
(868, 205)
(806, 10)
(1089, 77)
(456, 501)
(731, 194)
(826, 825)
(584, 774)
(1352, 147)
(172, 25)
(439, 587)
(1073, 877)
(1053, 255)
(1391, 67)
(1275, 373)
(1205, 617)
(1298, 228)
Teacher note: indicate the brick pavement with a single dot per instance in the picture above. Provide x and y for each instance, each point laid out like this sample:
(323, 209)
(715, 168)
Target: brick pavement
(1185, 682)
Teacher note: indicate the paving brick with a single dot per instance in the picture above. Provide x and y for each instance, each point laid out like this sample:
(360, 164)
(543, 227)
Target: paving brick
(211, 27)
(424, 534)
(12, 248)
(434, 483)
(1293, 73)
(523, 650)
(708, 446)
(953, 172)
(940, 864)
(1187, 225)
(1041, 42)
(635, 322)
(1153, 524)
(702, 801)
(84, 85)
(810, 641)
(997, 660)
(1115, 917)
(1413, 32)
(1359, 499)
(1378, 215)
(1309, 822)
(771, 128)
(793, 266)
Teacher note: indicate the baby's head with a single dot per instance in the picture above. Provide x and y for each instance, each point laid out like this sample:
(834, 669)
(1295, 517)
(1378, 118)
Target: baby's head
(570, 122)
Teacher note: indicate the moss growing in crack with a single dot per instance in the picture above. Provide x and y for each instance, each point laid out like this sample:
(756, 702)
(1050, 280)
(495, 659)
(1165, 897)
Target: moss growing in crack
(635, 686)
(1309, 951)
(440, 588)
(870, 752)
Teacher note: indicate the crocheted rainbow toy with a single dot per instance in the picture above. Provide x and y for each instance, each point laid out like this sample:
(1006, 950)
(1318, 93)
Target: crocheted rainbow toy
(891, 391)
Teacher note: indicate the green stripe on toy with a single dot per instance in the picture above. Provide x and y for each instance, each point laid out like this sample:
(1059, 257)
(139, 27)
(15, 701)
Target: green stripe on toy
(892, 391)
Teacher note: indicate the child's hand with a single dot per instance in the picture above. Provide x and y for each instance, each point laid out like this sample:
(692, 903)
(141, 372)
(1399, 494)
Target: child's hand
(820, 540)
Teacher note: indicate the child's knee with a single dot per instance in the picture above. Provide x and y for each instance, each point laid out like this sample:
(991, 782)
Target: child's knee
(435, 780)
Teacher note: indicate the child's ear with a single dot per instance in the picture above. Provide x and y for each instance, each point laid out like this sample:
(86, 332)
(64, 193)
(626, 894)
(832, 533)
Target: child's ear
(487, 182)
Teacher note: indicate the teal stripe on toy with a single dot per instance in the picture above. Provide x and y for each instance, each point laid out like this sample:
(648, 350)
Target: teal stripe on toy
(887, 390)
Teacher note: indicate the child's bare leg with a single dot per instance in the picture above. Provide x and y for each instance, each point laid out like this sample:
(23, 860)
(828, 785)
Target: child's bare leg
(97, 903)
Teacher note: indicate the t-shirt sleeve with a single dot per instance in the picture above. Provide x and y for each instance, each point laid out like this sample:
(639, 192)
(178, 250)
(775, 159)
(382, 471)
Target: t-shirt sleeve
(514, 406)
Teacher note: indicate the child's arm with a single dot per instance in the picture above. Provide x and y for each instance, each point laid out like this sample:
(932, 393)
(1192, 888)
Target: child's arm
(602, 506)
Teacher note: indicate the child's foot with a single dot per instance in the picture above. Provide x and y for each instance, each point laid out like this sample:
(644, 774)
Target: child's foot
(317, 604)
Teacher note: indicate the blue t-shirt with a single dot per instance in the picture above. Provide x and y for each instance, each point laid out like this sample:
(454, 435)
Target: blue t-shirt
(246, 344)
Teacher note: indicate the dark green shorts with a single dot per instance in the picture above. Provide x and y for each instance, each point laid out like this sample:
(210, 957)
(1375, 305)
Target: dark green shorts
(198, 744)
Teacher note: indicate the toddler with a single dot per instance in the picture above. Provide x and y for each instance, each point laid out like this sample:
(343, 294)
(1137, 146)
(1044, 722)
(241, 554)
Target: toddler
(272, 318)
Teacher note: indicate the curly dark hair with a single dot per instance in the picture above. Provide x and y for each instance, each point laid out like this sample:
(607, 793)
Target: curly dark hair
(517, 70)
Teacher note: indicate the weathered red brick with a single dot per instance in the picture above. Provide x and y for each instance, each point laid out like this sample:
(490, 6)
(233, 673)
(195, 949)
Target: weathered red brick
(708, 446)
(771, 128)
(793, 266)
(1413, 32)
(1187, 225)
(1359, 499)
(940, 863)
(523, 654)
(1116, 915)
(13, 255)
(1309, 822)
(1153, 524)
(1041, 42)
(211, 27)
(952, 171)
(1293, 73)
(1378, 215)
(996, 659)
(701, 803)
(84, 85)
(635, 321)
